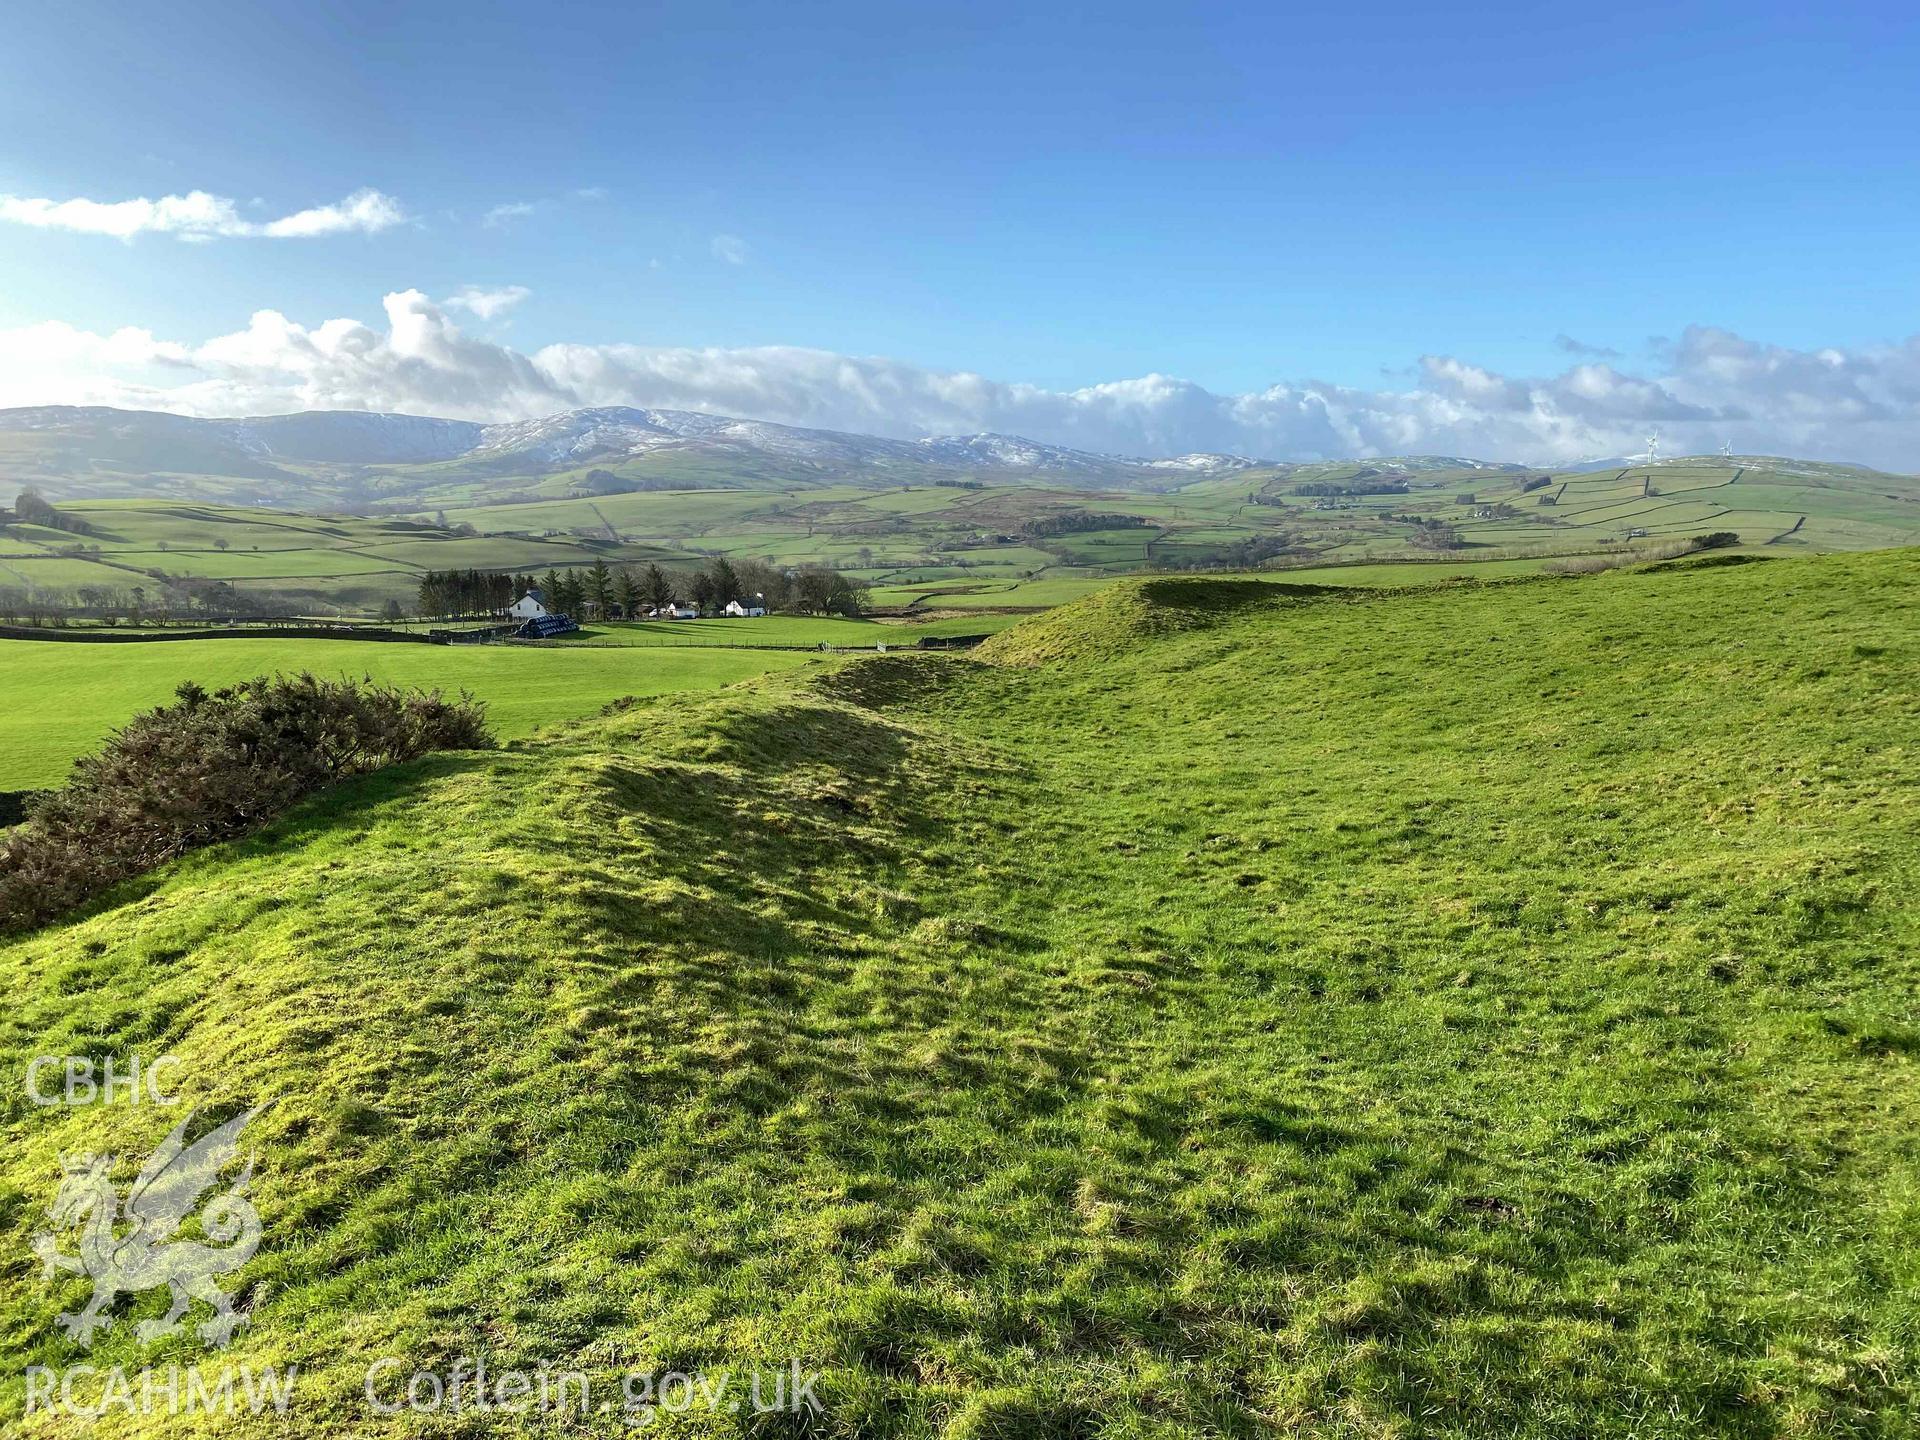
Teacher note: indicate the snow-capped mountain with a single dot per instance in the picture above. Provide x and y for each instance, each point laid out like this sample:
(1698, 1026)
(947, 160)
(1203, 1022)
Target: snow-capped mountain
(79, 450)
(1011, 452)
(1204, 464)
(575, 437)
(581, 435)
(1421, 464)
(354, 437)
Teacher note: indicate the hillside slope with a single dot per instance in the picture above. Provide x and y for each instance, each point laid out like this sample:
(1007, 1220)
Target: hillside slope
(347, 457)
(1481, 1011)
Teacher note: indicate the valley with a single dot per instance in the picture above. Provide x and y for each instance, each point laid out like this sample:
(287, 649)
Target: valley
(548, 496)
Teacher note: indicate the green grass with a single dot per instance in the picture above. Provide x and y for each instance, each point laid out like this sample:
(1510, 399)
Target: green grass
(59, 572)
(972, 593)
(66, 697)
(321, 563)
(63, 699)
(1219, 1009)
(786, 630)
(907, 539)
(976, 594)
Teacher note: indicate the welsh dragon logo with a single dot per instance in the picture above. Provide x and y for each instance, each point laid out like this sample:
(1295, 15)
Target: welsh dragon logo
(130, 1246)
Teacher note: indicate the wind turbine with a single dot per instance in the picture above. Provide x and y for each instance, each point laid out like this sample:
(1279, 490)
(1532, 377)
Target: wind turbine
(1726, 450)
(1653, 449)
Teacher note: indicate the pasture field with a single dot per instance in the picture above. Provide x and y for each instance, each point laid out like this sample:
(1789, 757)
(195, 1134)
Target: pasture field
(45, 570)
(928, 535)
(973, 593)
(1480, 1011)
(968, 594)
(655, 512)
(785, 630)
(318, 563)
(1392, 574)
(64, 697)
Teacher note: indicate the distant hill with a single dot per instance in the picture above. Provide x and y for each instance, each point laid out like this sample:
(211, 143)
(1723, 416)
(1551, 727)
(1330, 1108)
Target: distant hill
(981, 524)
(355, 459)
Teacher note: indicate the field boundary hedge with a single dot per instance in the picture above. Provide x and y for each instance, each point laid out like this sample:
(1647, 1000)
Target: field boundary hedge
(278, 632)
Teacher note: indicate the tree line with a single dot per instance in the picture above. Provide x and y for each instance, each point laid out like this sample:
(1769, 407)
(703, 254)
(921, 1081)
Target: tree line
(602, 592)
(1357, 486)
(163, 601)
(32, 508)
(468, 592)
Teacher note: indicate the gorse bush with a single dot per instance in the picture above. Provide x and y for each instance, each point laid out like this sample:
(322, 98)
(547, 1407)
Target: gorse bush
(210, 767)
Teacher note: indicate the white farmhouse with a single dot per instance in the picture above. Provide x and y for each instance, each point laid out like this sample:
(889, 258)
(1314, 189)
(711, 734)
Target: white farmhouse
(735, 608)
(530, 606)
(678, 611)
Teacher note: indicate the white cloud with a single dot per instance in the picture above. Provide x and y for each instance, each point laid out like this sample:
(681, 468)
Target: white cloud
(512, 210)
(367, 211)
(199, 216)
(1472, 384)
(1859, 404)
(485, 304)
(196, 214)
(730, 248)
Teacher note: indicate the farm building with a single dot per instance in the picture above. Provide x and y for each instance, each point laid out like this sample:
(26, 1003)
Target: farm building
(736, 608)
(530, 606)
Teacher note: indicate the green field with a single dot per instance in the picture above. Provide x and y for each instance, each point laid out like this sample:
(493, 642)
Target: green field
(988, 595)
(62, 699)
(317, 564)
(1213, 1009)
(908, 540)
(65, 697)
(788, 630)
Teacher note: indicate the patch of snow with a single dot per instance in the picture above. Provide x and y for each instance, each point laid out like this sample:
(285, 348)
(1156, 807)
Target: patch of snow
(1203, 463)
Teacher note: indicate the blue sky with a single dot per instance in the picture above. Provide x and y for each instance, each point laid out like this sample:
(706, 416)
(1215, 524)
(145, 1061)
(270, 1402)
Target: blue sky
(1045, 194)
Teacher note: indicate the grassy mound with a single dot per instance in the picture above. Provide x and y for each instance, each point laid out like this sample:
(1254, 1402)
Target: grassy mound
(1130, 613)
(1476, 1012)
